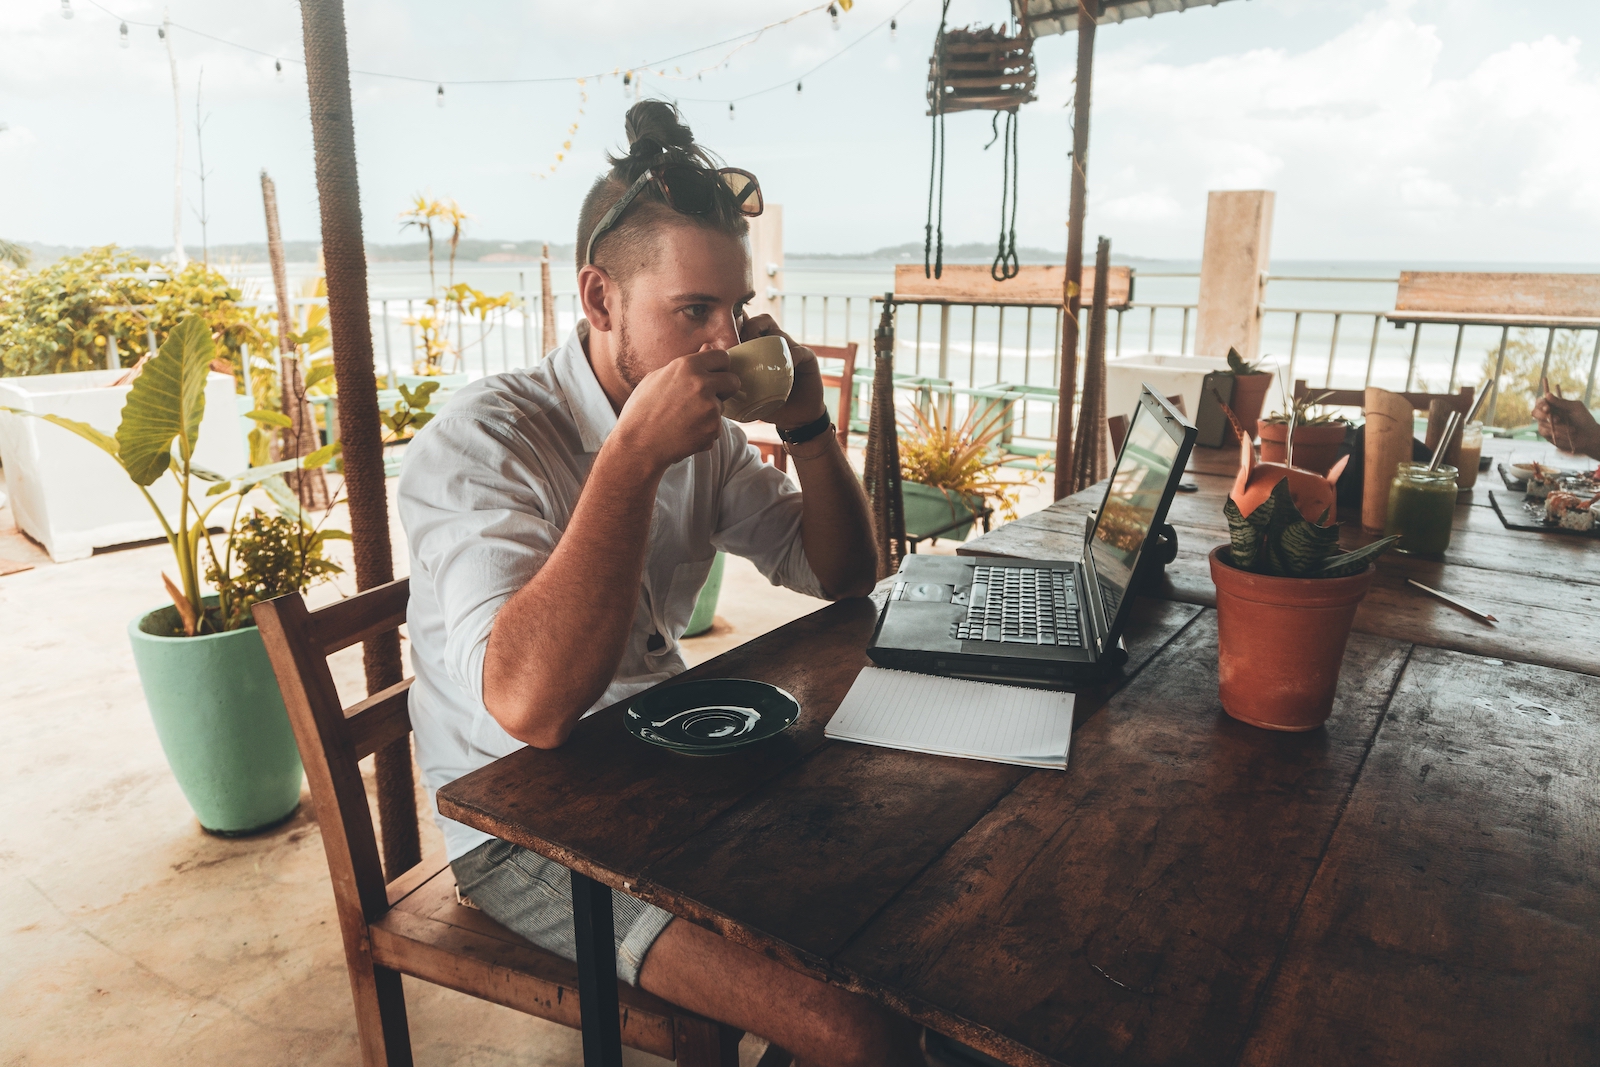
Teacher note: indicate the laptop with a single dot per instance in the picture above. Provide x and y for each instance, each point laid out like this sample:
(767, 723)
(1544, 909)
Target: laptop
(1042, 622)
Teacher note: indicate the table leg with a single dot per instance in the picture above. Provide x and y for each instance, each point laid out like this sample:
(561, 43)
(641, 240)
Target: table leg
(597, 972)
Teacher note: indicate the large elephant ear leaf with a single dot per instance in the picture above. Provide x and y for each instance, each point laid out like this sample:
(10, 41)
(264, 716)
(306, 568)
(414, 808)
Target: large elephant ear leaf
(95, 437)
(166, 402)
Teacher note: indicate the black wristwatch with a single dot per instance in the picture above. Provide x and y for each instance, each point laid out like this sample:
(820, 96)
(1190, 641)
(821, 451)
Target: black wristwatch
(801, 434)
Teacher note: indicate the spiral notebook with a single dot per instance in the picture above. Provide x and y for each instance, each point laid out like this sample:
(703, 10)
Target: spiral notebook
(955, 717)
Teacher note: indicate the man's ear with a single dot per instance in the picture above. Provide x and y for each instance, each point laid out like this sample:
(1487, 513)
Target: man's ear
(598, 295)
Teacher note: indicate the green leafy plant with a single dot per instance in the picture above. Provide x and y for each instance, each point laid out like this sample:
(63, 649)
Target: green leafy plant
(960, 459)
(1275, 539)
(432, 325)
(268, 556)
(1237, 364)
(67, 314)
(1302, 416)
(410, 413)
(157, 436)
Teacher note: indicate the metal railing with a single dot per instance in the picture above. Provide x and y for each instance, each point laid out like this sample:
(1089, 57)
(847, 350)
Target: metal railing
(957, 349)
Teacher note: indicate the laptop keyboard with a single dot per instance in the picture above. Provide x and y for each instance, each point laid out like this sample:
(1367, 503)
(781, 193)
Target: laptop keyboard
(1021, 605)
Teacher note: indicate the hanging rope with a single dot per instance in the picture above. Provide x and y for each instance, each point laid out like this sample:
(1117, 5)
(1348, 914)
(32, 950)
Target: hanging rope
(1006, 265)
(933, 235)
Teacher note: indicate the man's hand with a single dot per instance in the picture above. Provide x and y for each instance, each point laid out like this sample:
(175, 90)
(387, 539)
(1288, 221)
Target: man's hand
(1568, 425)
(805, 401)
(676, 411)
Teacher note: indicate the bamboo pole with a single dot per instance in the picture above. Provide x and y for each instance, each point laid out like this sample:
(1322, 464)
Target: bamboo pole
(1089, 453)
(344, 256)
(881, 467)
(1088, 10)
(299, 439)
(547, 304)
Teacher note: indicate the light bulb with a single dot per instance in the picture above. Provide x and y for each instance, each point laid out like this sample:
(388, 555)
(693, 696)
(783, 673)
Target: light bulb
(833, 13)
(439, 97)
(122, 35)
(161, 32)
(277, 69)
(797, 88)
(893, 26)
(66, 9)
(627, 77)
(730, 112)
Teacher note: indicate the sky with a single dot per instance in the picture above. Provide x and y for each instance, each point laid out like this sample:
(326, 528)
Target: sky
(1391, 130)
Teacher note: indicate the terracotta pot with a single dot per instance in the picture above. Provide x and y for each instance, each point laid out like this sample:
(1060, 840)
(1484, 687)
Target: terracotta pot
(1316, 446)
(1249, 394)
(1280, 643)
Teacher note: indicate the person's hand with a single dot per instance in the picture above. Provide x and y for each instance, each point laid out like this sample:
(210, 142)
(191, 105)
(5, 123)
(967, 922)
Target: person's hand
(676, 410)
(1568, 425)
(805, 401)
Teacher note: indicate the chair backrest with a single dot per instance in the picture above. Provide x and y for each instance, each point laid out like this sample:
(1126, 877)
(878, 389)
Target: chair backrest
(334, 739)
(844, 382)
(1461, 399)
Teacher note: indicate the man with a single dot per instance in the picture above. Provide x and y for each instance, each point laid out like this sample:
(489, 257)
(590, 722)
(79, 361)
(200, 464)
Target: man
(561, 523)
(1568, 425)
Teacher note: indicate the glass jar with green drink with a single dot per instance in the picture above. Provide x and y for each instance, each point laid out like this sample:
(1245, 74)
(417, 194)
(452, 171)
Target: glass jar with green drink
(1422, 507)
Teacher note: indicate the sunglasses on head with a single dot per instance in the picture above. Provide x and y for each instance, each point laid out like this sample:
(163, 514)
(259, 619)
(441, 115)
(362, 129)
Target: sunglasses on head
(688, 191)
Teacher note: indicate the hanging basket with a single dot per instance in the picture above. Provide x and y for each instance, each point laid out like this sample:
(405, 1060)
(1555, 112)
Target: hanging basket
(981, 70)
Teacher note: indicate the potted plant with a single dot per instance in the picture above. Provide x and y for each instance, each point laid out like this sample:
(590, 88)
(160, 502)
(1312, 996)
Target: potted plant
(1250, 385)
(1318, 438)
(211, 691)
(948, 470)
(1286, 595)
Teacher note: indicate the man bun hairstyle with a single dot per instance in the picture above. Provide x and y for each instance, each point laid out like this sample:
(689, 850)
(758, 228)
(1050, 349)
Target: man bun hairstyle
(657, 137)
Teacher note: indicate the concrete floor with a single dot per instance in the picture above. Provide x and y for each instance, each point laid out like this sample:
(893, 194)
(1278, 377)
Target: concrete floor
(129, 935)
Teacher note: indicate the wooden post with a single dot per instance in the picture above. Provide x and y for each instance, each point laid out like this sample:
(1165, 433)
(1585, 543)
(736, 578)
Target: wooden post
(547, 304)
(881, 468)
(300, 439)
(345, 261)
(766, 262)
(1233, 272)
(1088, 11)
(1089, 453)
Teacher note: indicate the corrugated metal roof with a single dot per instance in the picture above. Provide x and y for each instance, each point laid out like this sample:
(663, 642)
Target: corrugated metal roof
(1045, 17)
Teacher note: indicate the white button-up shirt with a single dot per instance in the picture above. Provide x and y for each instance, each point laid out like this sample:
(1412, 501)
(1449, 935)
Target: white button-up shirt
(486, 490)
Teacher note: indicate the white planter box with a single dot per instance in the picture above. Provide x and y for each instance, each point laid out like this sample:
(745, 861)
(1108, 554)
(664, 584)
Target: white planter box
(70, 496)
(1167, 375)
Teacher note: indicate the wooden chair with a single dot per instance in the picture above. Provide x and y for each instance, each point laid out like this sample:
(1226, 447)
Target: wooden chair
(1461, 398)
(412, 924)
(1117, 425)
(844, 382)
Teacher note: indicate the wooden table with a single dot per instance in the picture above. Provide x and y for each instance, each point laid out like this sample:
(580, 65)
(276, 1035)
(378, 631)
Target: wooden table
(1414, 884)
(1543, 587)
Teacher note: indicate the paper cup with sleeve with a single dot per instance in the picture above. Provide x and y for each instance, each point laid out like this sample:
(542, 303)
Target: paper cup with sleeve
(766, 374)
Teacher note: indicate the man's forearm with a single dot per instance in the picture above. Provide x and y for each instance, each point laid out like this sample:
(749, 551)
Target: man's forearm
(555, 644)
(835, 526)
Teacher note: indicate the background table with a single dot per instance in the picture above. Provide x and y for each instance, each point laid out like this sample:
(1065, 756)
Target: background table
(1543, 587)
(1413, 884)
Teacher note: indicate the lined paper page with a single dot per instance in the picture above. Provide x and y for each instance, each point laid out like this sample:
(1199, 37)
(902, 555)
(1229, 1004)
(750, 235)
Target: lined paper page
(955, 717)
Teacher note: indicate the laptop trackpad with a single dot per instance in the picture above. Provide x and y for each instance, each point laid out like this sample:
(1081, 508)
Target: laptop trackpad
(935, 592)
(925, 626)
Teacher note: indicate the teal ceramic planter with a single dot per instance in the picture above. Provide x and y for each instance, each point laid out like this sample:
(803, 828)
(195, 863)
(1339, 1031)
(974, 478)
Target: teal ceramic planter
(928, 509)
(221, 721)
(705, 609)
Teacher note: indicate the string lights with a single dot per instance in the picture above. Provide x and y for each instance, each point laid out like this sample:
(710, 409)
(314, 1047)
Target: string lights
(572, 130)
(438, 97)
(66, 9)
(122, 35)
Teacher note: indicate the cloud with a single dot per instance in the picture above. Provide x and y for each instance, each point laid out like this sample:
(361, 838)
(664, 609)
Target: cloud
(1372, 152)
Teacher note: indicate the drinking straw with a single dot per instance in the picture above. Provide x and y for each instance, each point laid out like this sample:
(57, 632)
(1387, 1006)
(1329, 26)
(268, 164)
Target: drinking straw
(1481, 616)
(1450, 425)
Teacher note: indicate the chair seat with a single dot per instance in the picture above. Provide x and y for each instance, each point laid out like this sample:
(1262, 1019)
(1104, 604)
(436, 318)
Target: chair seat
(428, 935)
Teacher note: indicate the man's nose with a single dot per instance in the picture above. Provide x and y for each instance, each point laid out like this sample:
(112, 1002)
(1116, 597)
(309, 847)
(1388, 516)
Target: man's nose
(725, 334)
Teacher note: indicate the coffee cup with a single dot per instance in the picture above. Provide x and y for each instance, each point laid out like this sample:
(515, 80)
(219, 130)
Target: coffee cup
(766, 374)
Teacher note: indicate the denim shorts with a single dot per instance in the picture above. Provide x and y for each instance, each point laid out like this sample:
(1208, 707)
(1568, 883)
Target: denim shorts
(532, 896)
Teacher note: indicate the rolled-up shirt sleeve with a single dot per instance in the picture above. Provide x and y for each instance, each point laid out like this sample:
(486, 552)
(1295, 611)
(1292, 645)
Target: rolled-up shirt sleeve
(479, 523)
(758, 517)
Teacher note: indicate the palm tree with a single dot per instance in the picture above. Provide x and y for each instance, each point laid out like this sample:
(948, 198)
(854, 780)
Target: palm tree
(344, 253)
(15, 254)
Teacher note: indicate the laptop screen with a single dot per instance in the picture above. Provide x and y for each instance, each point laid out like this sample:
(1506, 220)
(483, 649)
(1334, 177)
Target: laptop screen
(1137, 487)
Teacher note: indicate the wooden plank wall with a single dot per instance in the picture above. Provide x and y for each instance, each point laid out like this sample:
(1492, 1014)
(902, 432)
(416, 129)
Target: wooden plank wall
(971, 283)
(1498, 293)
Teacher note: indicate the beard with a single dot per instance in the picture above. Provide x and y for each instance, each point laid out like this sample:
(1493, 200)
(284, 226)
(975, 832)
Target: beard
(629, 367)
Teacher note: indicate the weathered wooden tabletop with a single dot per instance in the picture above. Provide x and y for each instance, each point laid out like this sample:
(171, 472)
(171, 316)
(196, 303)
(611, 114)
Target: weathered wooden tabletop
(1543, 587)
(1414, 884)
